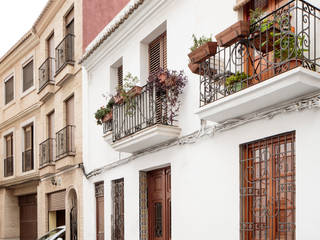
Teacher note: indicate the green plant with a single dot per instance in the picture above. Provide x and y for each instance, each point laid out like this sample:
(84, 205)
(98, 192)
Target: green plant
(199, 42)
(235, 81)
(288, 46)
(103, 111)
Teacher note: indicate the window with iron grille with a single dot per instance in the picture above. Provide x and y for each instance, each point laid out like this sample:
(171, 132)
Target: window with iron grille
(120, 76)
(27, 76)
(8, 161)
(99, 187)
(118, 209)
(158, 54)
(267, 188)
(9, 91)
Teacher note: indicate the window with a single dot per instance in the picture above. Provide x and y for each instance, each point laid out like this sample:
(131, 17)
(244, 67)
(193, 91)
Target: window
(120, 76)
(100, 210)
(118, 209)
(267, 188)
(51, 63)
(8, 161)
(27, 155)
(9, 91)
(158, 53)
(70, 111)
(27, 76)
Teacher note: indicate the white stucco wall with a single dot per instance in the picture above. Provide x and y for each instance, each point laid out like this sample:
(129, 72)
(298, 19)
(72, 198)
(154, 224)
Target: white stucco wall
(205, 175)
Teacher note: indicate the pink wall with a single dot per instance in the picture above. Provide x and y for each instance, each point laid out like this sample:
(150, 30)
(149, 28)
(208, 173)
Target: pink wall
(96, 15)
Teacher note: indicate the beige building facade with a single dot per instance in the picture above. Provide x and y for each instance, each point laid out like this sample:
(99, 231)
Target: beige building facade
(41, 127)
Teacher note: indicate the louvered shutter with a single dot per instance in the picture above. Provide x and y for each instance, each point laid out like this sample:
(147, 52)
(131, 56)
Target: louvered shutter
(120, 76)
(56, 201)
(9, 90)
(28, 76)
(158, 53)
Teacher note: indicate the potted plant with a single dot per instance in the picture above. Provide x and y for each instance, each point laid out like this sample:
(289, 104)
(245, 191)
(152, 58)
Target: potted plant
(233, 34)
(104, 113)
(169, 88)
(235, 82)
(202, 49)
(128, 90)
(289, 50)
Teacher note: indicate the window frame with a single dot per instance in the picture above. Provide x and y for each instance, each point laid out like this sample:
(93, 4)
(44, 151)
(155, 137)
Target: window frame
(33, 87)
(12, 75)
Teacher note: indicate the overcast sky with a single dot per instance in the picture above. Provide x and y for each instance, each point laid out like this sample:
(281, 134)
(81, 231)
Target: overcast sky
(16, 18)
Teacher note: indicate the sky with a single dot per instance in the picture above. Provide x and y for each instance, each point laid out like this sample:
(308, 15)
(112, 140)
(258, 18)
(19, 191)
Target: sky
(16, 18)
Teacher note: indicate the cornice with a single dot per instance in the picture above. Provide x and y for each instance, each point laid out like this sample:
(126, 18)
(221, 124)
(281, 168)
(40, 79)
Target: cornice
(20, 115)
(33, 177)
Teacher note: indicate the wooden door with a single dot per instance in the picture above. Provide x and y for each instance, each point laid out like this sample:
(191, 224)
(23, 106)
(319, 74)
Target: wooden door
(28, 217)
(100, 211)
(159, 204)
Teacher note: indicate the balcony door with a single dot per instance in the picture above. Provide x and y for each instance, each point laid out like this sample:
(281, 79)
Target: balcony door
(159, 204)
(70, 111)
(27, 156)
(51, 50)
(8, 161)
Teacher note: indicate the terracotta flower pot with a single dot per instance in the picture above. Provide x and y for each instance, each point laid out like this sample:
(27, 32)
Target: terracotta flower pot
(203, 52)
(118, 99)
(135, 91)
(196, 69)
(162, 77)
(233, 34)
(107, 117)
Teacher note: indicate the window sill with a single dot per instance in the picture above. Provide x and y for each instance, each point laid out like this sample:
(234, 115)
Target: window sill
(8, 105)
(27, 92)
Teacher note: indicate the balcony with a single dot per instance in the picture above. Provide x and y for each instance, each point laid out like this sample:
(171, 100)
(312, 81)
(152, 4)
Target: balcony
(277, 62)
(8, 167)
(46, 148)
(65, 149)
(64, 59)
(27, 160)
(143, 122)
(46, 79)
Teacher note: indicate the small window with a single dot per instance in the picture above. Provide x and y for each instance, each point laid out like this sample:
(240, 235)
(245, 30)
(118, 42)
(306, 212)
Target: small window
(120, 76)
(158, 54)
(9, 92)
(28, 76)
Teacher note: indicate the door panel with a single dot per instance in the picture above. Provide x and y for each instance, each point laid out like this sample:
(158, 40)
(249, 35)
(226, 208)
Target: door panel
(159, 204)
(28, 217)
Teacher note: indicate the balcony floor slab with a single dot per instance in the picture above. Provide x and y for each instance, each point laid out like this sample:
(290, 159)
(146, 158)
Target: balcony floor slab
(146, 138)
(284, 87)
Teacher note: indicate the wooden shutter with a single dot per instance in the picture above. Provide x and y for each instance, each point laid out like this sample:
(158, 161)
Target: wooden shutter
(9, 90)
(51, 132)
(28, 137)
(28, 76)
(69, 19)
(100, 210)
(158, 54)
(70, 111)
(9, 145)
(56, 201)
(118, 210)
(120, 76)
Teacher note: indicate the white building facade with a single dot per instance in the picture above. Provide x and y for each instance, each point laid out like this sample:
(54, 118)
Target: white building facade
(236, 164)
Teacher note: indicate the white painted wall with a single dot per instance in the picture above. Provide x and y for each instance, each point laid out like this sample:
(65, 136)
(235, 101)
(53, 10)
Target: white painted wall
(205, 175)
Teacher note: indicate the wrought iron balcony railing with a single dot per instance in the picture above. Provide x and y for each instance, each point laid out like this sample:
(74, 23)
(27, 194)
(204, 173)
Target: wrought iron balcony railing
(149, 108)
(107, 126)
(27, 160)
(46, 149)
(65, 142)
(65, 52)
(46, 73)
(280, 41)
(8, 166)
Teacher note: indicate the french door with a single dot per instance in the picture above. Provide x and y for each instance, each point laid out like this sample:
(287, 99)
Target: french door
(267, 188)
